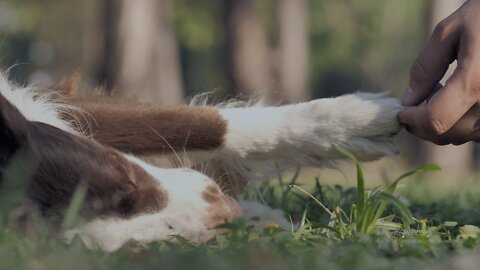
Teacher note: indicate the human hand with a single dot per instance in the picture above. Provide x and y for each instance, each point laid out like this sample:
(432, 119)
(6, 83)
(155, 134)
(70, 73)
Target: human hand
(450, 113)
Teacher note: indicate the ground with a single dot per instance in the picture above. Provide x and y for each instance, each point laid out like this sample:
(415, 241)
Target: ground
(365, 229)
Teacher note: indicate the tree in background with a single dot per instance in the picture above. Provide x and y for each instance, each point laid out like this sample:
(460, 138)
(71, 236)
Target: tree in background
(249, 56)
(277, 70)
(141, 51)
(293, 50)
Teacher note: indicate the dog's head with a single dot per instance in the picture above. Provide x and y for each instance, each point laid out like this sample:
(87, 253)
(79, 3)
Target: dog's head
(125, 198)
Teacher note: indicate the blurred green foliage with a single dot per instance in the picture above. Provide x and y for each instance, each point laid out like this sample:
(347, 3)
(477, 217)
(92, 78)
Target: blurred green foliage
(354, 45)
(364, 45)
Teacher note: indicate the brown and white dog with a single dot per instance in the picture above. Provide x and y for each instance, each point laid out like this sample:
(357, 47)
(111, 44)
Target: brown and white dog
(70, 140)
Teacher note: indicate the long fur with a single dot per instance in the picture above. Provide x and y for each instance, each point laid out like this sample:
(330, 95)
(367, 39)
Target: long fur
(37, 105)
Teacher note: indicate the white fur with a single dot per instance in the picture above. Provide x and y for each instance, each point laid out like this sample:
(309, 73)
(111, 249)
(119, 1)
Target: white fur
(34, 106)
(305, 133)
(183, 215)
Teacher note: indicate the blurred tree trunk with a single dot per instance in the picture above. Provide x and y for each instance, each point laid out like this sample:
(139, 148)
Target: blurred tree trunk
(293, 49)
(455, 160)
(248, 54)
(93, 39)
(107, 72)
(141, 53)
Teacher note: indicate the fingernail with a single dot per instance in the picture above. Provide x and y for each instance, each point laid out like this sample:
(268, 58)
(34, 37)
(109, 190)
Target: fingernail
(409, 97)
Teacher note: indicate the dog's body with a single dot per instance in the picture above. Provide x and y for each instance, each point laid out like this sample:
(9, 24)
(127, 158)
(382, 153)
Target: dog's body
(90, 142)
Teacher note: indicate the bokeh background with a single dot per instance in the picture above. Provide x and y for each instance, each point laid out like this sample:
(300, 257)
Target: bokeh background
(284, 51)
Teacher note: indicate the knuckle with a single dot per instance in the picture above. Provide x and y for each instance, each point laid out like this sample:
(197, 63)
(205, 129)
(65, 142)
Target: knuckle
(442, 30)
(434, 125)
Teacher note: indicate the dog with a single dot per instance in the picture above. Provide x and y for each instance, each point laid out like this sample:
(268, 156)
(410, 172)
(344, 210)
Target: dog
(65, 141)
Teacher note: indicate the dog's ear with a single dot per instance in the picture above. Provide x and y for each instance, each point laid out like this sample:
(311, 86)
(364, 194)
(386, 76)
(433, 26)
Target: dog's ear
(13, 127)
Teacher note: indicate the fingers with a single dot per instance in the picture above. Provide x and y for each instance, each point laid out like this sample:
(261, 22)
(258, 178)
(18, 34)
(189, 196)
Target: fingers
(432, 120)
(466, 129)
(416, 123)
(450, 103)
(433, 62)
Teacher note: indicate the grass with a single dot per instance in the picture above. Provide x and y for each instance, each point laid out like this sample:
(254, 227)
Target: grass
(338, 228)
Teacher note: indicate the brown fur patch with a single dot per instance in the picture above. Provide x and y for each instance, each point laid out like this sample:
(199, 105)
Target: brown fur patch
(223, 208)
(147, 129)
(115, 186)
(68, 86)
(211, 194)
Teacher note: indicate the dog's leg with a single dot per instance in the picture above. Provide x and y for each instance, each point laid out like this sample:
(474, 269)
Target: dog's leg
(306, 133)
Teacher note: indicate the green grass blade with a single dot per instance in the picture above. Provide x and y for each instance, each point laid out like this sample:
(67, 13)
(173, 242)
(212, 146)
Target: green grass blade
(428, 167)
(397, 204)
(373, 211)
(75, 205)
(393, 186)
(361, 194)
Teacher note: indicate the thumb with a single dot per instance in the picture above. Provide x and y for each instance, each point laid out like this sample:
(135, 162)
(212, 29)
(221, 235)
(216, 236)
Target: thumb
(444, 109)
